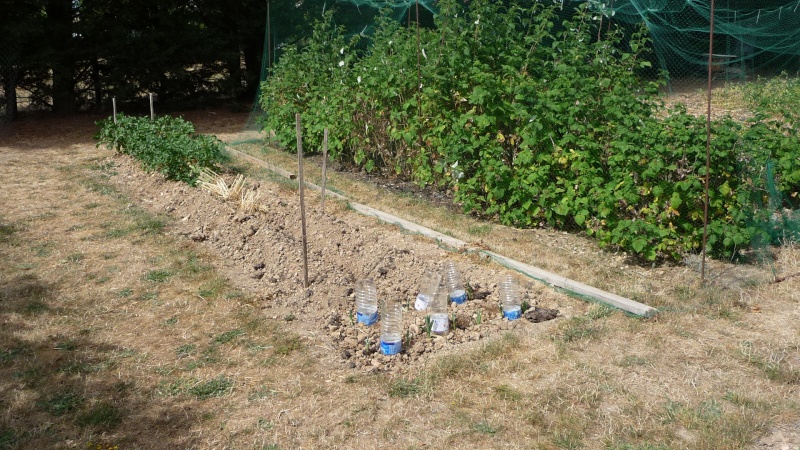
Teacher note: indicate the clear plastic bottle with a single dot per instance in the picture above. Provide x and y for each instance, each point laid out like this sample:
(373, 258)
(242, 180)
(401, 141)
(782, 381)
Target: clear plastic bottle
(455, 287)
(440, 321)
(391, 327)
(366, 301)
(509, 298)
(427, 289)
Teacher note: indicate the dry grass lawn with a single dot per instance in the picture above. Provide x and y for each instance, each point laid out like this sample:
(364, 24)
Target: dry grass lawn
(116, 333)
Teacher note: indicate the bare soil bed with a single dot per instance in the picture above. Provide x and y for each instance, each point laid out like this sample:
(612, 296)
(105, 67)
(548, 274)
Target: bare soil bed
(262, 251)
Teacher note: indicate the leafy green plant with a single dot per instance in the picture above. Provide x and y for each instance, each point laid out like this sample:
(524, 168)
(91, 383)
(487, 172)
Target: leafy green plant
(167, 145)
(536, 123)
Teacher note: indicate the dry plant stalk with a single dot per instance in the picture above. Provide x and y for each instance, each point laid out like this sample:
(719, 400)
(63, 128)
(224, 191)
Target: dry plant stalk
(249, 202)
(213, 182)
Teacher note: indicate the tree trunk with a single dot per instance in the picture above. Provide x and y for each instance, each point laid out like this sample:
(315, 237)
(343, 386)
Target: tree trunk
(60, 17)
(10, 90)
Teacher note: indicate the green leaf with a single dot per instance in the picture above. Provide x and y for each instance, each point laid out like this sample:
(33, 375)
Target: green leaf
(638, 244)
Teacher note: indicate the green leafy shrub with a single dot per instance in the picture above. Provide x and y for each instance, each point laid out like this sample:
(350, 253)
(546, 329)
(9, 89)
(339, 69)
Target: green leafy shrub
(536, 123)
(167, 145)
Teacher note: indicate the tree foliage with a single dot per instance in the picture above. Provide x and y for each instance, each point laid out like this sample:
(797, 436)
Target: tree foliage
(71, 55)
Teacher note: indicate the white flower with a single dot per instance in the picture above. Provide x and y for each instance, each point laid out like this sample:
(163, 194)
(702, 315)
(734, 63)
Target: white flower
(341, 63)
(341, 51)
(359, 79)
(423, 54)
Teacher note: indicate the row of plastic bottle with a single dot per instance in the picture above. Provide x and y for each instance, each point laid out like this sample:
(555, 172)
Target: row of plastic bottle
(435, 293)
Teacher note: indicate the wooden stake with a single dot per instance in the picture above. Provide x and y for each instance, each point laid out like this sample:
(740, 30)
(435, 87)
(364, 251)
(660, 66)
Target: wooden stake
(114, 107)
(324, 165)
(302, 197)
(708, 142)
(152, 112)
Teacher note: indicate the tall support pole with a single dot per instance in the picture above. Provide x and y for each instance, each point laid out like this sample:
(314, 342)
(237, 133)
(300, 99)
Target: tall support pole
(708, 141)
(301, 188)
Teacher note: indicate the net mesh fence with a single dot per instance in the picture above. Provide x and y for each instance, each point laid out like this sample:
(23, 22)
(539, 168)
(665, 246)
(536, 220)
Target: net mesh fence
(754, 42)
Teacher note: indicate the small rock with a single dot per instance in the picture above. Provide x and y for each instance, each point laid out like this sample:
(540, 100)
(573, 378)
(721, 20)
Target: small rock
(259, 266)
(258, 275)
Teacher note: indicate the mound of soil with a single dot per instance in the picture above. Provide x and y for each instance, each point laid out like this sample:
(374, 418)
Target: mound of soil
(262, 255)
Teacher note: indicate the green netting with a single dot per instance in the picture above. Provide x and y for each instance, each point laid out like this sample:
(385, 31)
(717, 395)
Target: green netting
(750, 37)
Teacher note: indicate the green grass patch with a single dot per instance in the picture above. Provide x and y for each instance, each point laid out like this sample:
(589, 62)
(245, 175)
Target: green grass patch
(62, 403)
(104, 415)
(228, 336)
(158, 275)
(185, 350)
(403, 388)
(285, 343)
(506, 392)
(484, 427)
(216, 387)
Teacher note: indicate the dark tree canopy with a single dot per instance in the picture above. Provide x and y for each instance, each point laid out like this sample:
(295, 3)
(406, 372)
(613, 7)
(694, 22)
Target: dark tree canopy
(71, 55)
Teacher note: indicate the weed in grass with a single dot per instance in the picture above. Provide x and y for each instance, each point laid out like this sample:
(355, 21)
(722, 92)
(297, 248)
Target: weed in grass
(31, 377)
(43, 249)
(507, 392)
(480, 230)
(7, 233)
(61, 404)
(170, 322)
(148, 296)
(286, 343)
(7, 356)
(80, 367)
(35, 308)
(158, 276)
(216, 387)
(264, 424)
(567, 439)
(209, 355)
(232, 295)
(632, 361)
(405, 388)
(68, 345)
(228, 336)
(576, 329)
(213, 288)
(185, 350)
(774, 366)
(288, 318)
(75, 258)
(262, 392)
(484, 427)
(103, 415)
(126, 292)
